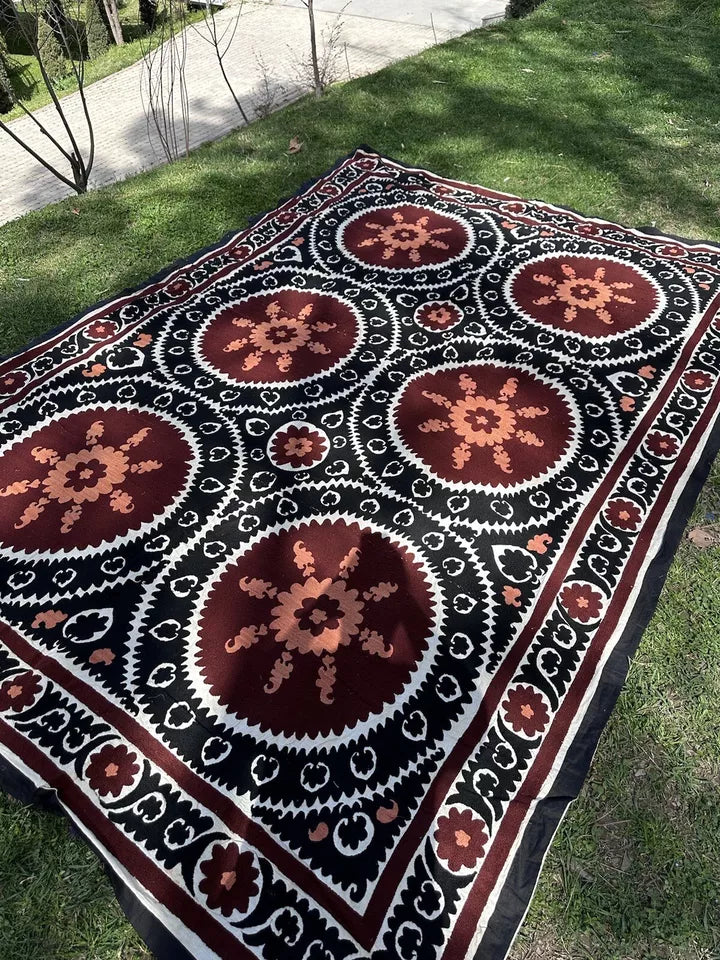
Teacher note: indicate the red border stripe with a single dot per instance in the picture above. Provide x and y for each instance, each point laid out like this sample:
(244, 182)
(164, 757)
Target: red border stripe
(154, 880)
(553, 739)
(203, 792)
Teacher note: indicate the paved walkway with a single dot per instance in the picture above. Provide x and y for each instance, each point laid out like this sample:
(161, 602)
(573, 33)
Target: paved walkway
(276, 33)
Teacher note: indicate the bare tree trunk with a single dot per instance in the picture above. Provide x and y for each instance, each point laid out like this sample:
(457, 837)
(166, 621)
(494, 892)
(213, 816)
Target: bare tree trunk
(313, 48)
(221, 47)
(113, 19)
(164, 84)
(24, 21)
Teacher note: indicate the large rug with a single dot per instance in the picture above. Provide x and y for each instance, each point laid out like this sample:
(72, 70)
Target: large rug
(322, 555)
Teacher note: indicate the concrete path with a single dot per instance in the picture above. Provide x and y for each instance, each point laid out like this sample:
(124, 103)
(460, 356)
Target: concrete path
(267, 32)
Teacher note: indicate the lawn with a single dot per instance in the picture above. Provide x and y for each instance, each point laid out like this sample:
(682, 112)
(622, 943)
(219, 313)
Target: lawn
(608, 106)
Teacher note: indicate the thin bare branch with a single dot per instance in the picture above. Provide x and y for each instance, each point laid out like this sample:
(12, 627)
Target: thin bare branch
(216, 42)
(65, 24)
(48, 166)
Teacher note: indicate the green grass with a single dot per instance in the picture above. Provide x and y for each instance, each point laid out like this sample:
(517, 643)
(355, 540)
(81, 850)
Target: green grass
(28, 83)
(608, 106)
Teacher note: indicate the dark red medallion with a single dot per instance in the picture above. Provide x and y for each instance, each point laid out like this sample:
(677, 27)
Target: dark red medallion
(592, 296)
(297, 446)
(480, 423)
(438, 316)
(404, 237)
(315, 628)
(280, 337)
(88, 478)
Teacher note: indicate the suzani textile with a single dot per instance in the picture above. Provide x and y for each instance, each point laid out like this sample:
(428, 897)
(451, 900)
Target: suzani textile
(322, 555)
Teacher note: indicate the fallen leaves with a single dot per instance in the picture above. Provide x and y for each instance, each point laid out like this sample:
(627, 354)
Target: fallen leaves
(704, 537)
(296, 145)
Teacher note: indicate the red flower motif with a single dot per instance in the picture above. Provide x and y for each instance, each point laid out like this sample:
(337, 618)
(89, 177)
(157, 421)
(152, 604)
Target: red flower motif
(514, 207)
(178, 287)
(525, 711)
(112, 769)
(441, 190)
(581, 601)
(461, 838)
(438, 316)
(297, 446)
(240, 253)
(287, 216)
(662, 445)
(623, 514)
(19, 692)
(368, 163)
(101, 329)
(229, 879)
(697, 380)
(12, 382)
(672, 250)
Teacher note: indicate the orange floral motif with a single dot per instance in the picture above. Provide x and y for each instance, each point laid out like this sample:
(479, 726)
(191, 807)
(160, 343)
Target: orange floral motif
(315, 617)
(49, 619)
(484, 422)
(298, 447)
(539, 543)
(280, 335)
(401, 235)
(82, 476)
(583, 293)
(511, 596)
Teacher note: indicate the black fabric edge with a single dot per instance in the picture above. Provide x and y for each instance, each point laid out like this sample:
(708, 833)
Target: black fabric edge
(161, 942)
(182, 261)
(652, 231)
(524, 874)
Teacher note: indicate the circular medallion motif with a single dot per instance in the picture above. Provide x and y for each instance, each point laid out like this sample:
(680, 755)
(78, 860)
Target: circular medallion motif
(276, 339)
(315, 628)
(404, 237)
(89, 477)
(14, 381)
(483, 435)
(437, 316)
(582, 303)
(280, 337)
(298, 446)
(592, 296)
(484, 424)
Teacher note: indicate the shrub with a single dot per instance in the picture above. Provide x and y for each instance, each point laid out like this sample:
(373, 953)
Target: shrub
(97, 34)
(50, 51)
(7, 14)
(521, 8)
(7, 94)
(148, 13)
